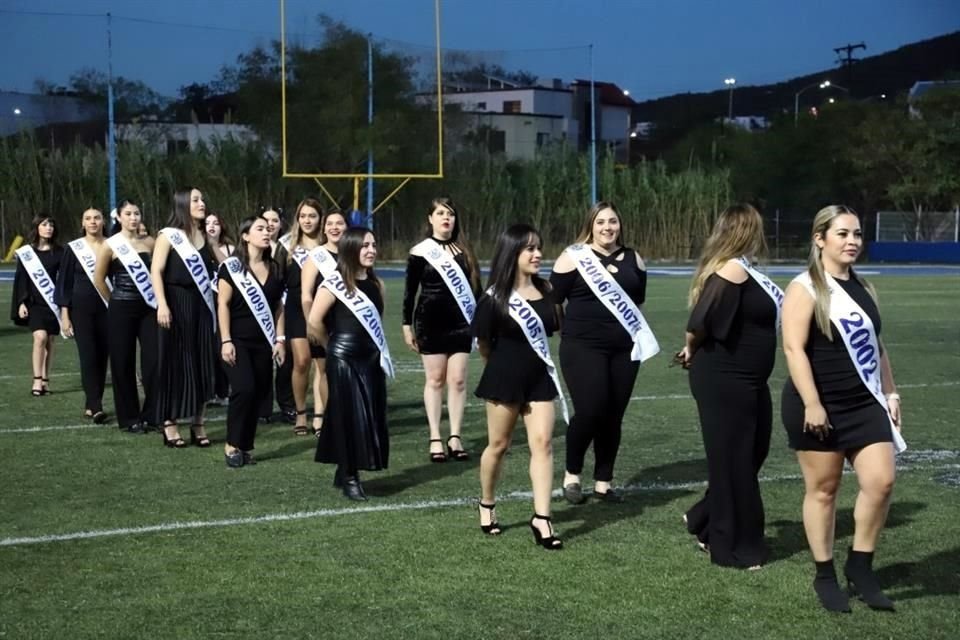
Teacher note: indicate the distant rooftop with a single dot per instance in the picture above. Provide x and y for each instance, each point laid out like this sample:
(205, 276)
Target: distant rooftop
(924, 86)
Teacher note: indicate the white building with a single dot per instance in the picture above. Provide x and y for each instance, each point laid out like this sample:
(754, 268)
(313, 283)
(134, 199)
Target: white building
(173, 137)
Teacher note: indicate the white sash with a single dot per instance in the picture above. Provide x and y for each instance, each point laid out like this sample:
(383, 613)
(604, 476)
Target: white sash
(136, 269)
(775, 292)
(252, 292)
(41, 279)
(453, 276)
(326, 263)
(860, 339)
(299, 255)
(88, 261)
(195, 265)
(616, 300)
(532, 326)
(366, 312)
(284, 241)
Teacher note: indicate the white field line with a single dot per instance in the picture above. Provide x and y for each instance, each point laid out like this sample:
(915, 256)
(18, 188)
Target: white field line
(87, 425)
(380, 508)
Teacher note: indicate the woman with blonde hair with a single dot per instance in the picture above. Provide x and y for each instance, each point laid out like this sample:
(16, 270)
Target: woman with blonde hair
(730, 349)
(840, 403)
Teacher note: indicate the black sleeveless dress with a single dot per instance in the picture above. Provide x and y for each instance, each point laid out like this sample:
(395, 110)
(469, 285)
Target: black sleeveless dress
(855, 415)
(437, 320)
(40, 316)
(354, 433)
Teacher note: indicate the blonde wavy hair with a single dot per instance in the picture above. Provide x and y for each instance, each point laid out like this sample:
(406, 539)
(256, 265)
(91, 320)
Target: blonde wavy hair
(821, 224)
(296, 233)
(586, 230)
(737, 232)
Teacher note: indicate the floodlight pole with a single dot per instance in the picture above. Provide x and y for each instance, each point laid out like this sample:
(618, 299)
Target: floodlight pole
(593, 134)
(369, 215)
(111, 141)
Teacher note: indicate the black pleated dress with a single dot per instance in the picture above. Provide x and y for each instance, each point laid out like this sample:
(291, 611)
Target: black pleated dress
(437, 320)
(728, 378)
(40, 317)
(354, 434)
(187, 351)
(855, 415)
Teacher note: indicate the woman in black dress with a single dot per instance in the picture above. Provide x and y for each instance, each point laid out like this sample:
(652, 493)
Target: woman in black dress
(830, 415)
(332, 226)
(595, 352)
(30, 308)
(185, 342)
(437, 328)
(131, 318)
(83, 312)
(244, 348)
(283, 385)
(516, 381)
(354, 436)
(730, 349)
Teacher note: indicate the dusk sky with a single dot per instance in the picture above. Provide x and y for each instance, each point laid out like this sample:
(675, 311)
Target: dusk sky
(650, 47)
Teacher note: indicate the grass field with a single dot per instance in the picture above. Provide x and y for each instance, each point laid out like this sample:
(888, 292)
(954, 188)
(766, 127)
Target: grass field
(110, 535)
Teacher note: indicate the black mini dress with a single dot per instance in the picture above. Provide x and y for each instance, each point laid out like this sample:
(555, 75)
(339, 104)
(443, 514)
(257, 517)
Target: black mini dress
(40, 317)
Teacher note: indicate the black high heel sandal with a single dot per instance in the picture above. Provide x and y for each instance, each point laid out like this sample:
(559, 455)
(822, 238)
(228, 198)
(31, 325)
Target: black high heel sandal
(301, 429)
(459, 455)
(45, 387)
(36, 393)
(438, 456)
(198, 441)
(173, 443)
(551, 542)
(316, 430)
(492, 529)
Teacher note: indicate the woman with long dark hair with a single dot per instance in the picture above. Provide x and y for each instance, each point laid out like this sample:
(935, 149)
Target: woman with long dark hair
(251, 333)
(347, 320)
(730, 349)
(34, 304)
(840, 404)
(442, 267)
(131, 318)
(181, 275)
(283, 384)
(512, 323)
(83, 312)
(219, 237)
(605, 337)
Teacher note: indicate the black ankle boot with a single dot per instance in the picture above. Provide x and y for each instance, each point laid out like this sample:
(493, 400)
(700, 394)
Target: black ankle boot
(353, 490)
(862, 581)
(828, 591)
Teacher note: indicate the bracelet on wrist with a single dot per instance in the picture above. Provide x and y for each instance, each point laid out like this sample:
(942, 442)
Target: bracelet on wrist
(281, 339)
(223, 342)
(893, 396)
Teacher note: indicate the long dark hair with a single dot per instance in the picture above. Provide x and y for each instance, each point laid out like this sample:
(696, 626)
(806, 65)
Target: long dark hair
(226, 238)
(348, 257)
(503, 268)
(35, 231)
(473, 269)
(244, 255)
(180, 216)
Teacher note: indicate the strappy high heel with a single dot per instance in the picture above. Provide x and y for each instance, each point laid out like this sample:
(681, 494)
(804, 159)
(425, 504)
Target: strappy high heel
(45, 387)
(198, 441)
(460, 455)
(551, 542)
(492, 529)
(437, 456)
(301, 429)
(36, 393)
(176, 442)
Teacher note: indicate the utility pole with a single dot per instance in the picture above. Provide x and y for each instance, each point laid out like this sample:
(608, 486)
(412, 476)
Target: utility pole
(845, 59)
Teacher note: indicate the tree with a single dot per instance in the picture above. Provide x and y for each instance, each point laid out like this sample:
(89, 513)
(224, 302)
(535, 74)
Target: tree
(131, 98)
